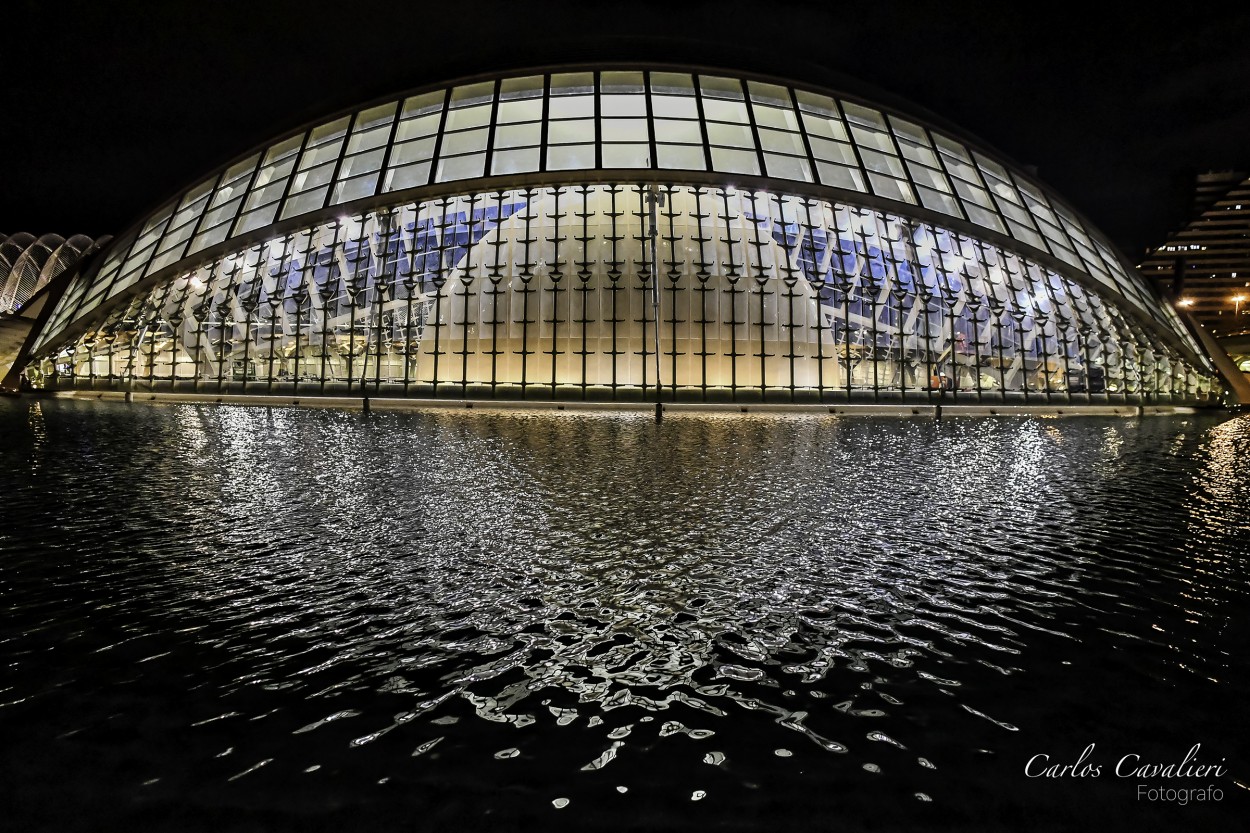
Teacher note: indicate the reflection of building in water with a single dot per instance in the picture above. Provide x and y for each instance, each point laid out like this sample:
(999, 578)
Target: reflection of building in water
(545, 236)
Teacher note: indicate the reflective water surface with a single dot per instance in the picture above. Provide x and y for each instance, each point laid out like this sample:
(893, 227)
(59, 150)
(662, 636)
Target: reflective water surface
(248, 618)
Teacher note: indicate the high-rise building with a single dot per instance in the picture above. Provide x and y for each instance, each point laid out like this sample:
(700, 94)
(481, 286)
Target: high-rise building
(1205, 265)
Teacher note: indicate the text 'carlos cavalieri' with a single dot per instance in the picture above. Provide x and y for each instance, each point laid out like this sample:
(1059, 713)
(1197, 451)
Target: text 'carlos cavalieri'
(1132, 766)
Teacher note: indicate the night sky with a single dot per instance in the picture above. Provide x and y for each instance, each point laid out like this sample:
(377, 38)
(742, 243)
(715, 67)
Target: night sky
(111, 109)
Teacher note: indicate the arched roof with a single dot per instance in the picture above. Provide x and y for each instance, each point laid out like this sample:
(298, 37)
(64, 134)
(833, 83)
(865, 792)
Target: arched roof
(27, 264)
(612, 123)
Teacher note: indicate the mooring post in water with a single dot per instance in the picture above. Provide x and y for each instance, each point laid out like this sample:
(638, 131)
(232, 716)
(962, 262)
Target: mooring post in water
(937, 409)
(654, 200)
(366, 404)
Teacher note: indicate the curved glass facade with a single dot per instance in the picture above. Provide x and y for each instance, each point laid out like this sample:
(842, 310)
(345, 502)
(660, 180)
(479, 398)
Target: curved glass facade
(587, 234)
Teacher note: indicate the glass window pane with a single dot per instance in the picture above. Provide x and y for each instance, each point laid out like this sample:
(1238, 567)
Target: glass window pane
(283, 149)
(328, 132)
(197, 196)
(890, 188)
(264, 196)
(624, 130)
(775, 117)
(369, 139)
(581, 106)
(716, 87)
(468, 117)
(159, 262)
(1015, 212)
(1026, 235)
(626, 156)
(949, 147)
(412, 151)
(776, 140)
(222, 213)
(971, 193)
(671, 130)
(305, 202)
(511, 89)
(572, 83)
(472, 94)
(672, 83)
(468, 141)
(961, 170)
(175, 237)
(928, 177)
(515, 161)
(419, 105)
(305, 180)
(825, 127)
(881, 163)
(863, 116)
(237, 174)
(408, 176)
(528, 110)
(732, 135)
(814, 103)
(620, 82)
(570, 157)
(274, 173)
(623, 105)
(788, 167)
(872, 139)
(839, 152)
(685, 157)
(561, 132)
(421, 126)
(840, 176)
(918, 153)
(256, 219)
(992, 168)
(731, 111)
(668, 106)
(518, 135)
(735, 161)
(461, 167)
(362, 163)
(321, 154)
(355, 189)
(383, 114)
(209, 237)
(913, 133)
(938, 201)
(769, 94)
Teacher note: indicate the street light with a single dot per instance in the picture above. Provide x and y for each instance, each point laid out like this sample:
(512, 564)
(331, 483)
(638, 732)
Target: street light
(1237, 299)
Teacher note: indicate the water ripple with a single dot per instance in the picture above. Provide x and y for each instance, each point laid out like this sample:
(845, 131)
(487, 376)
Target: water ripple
(591, 591)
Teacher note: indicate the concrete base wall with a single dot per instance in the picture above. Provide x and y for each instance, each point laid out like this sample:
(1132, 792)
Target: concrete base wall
(387, 404)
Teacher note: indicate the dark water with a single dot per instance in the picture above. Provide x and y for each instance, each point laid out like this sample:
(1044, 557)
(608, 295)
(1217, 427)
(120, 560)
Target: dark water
(221, 618)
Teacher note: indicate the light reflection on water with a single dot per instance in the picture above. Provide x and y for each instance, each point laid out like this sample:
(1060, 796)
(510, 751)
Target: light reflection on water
(481, 615)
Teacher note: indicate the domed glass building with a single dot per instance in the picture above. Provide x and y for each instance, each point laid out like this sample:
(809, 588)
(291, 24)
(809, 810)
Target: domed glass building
(621, 234)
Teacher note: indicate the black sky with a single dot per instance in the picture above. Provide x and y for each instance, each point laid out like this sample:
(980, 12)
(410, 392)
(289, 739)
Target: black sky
(112, 108)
